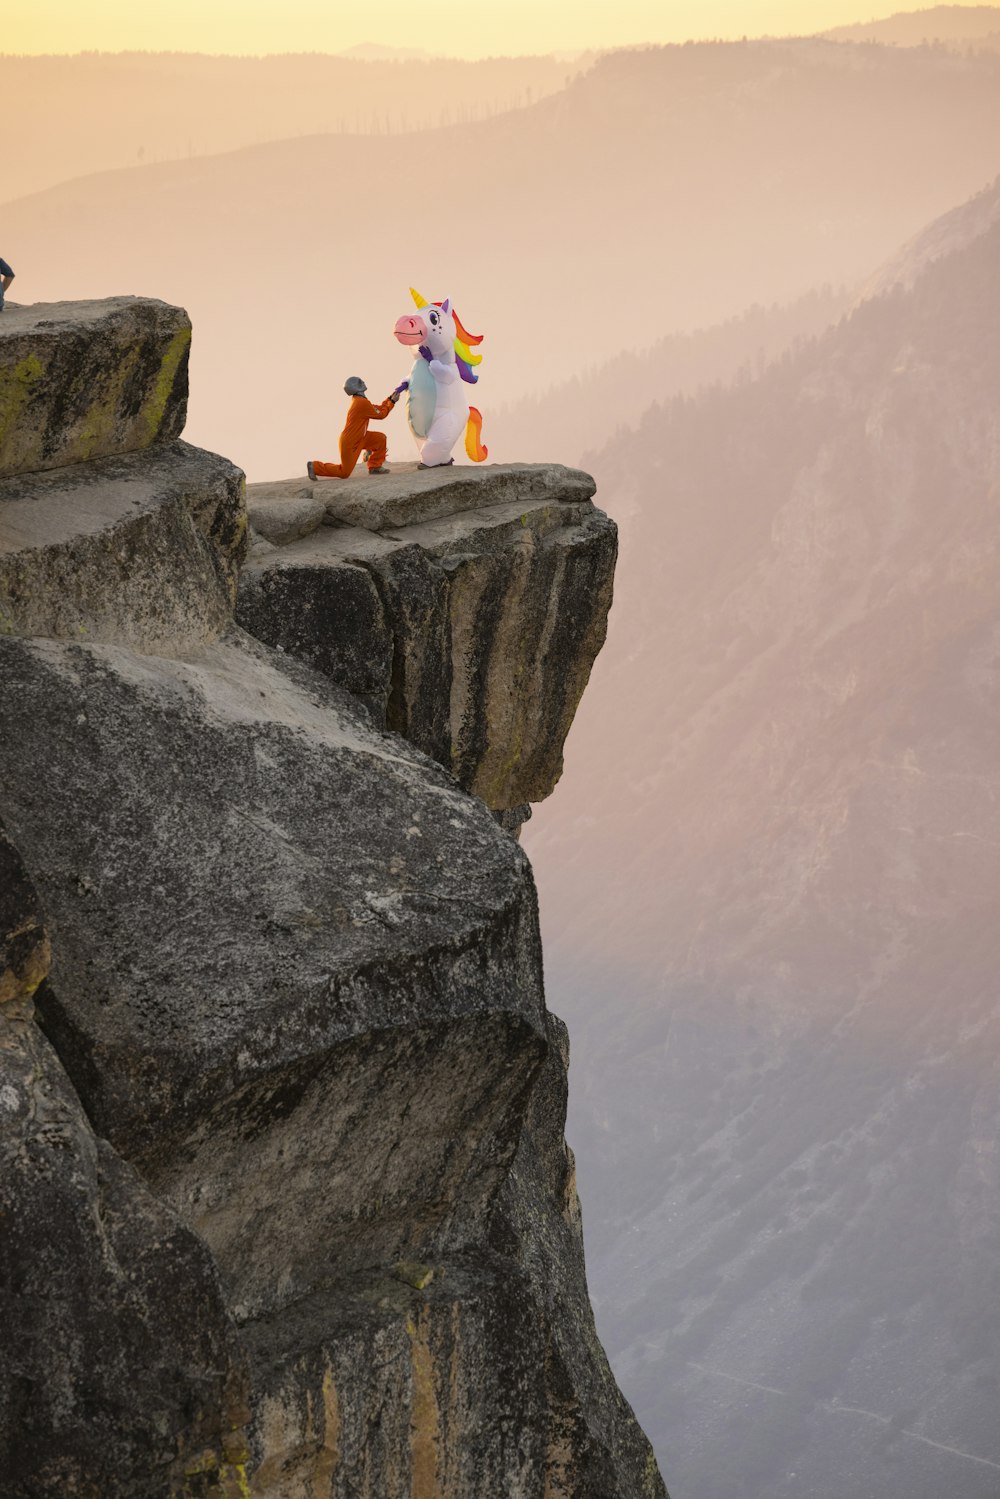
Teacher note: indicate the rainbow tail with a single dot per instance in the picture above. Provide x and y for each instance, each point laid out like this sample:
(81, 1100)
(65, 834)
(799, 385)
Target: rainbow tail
(473, 446)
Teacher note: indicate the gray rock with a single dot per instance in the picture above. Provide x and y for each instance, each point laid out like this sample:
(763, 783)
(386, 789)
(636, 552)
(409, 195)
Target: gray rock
(121, 1372)
(495, 616)
(455, 1371)
(27, 953)
(81, 380)
(405, 496)
(338, 977)
(595, 1445)
(526, 625)
(483, 1365)
(329, 615)
(320, 1050)
(283, 517)
(142, 549)
(512, 819)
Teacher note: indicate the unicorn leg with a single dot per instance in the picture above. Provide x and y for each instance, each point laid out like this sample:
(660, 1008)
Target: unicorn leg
(445, 432)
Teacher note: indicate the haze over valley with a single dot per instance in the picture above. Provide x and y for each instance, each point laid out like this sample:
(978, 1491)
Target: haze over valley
(753, 287)
(757, 173)
(782, 968)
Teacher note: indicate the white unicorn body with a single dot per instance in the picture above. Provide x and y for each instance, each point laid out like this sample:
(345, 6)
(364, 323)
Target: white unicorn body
(437, 408)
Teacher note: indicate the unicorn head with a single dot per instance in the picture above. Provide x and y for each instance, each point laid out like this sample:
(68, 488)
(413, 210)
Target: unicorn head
(437, 333)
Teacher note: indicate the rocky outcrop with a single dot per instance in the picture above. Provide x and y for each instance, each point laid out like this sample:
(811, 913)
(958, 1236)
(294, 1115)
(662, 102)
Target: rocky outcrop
(142, 549)
(324, 1239)
(302, 1008)
(464, 606)
(81, 380)
(121, 1372)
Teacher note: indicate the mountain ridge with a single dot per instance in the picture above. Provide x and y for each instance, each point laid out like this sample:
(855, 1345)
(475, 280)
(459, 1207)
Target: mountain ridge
(770, 146)
(787, 1037)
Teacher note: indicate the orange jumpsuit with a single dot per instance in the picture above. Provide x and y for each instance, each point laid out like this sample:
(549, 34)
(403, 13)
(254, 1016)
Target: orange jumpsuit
(355, 438)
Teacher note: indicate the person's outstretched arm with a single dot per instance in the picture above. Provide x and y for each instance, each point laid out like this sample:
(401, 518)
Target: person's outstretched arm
(380, 412)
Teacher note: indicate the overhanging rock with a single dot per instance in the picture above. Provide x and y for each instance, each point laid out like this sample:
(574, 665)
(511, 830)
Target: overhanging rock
(488, 602)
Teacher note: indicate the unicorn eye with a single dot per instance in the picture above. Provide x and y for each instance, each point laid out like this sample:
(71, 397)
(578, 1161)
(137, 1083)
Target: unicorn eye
(434, 318)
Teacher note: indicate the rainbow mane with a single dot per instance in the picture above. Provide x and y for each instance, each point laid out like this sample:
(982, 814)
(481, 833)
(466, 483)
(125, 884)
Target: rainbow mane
(464, 357)
(463, 352)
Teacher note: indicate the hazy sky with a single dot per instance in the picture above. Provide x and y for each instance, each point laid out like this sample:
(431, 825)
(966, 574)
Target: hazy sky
(468, 28)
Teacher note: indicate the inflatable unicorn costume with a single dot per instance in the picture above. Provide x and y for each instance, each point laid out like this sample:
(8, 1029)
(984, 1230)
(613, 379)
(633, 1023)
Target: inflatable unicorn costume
(437, 409)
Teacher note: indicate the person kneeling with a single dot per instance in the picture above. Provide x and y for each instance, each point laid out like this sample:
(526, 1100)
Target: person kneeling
(355, 438)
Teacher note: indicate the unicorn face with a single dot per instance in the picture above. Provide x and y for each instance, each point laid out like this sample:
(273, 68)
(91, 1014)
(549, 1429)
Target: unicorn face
(432, 328)
(438, 330)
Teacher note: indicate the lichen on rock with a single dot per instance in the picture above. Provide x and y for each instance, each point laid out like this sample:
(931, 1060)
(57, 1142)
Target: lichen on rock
(83, 380)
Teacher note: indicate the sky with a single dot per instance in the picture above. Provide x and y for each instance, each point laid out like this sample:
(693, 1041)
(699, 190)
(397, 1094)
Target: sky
(466, 28)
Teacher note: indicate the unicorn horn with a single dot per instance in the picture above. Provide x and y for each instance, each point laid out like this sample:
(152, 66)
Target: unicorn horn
(418, 300)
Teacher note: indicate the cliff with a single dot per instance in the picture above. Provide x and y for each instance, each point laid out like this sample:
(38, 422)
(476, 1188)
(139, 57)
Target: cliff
(289, 1207)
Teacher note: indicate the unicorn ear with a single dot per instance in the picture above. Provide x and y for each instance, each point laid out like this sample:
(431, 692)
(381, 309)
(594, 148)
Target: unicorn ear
(418, 300)
(446, 305)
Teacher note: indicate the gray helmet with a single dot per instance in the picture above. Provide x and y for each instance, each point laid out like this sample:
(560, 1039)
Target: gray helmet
(355, 386)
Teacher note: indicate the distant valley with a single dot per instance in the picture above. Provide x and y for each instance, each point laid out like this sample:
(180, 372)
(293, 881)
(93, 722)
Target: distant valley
(768, 891)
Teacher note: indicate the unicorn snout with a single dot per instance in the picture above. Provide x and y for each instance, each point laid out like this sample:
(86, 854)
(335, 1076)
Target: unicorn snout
(410, 330)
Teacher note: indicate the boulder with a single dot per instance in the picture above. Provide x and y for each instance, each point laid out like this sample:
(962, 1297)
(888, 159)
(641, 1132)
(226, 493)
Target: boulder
(142, 549)
(337, 976)
(283, 517)
(298, 987)
(82, 380)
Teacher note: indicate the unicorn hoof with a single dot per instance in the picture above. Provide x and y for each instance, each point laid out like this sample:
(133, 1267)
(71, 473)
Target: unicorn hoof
(436, 465)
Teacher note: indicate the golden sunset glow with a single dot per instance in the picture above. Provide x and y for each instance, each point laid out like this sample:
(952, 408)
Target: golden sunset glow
(437, 26)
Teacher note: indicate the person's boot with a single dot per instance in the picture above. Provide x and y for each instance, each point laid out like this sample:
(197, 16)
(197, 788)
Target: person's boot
(310, 470)
(382, 470)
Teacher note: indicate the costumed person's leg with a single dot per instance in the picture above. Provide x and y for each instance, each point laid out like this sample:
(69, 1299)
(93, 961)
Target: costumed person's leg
(376, 449)
(446, 429)
(350, 452)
